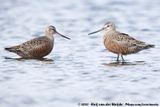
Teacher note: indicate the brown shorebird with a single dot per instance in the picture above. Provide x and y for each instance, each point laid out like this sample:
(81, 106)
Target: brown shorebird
(121, 43)
(38, 47)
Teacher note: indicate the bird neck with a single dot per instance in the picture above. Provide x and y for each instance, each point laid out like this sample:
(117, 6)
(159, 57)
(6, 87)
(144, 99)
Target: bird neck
(110, 31)
(50, 36)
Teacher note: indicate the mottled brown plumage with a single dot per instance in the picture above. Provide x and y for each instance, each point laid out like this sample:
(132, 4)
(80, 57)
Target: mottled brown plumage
(38, 47)
(121, 43)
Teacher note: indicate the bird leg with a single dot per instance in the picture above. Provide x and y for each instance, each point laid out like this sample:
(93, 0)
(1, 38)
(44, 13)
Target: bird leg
(122, 59)
(118, 58)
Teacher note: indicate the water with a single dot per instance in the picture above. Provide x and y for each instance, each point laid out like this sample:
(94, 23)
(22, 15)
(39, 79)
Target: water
(80, 70)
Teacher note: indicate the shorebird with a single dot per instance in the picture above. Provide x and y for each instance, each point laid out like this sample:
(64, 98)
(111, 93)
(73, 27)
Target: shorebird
(120, 43)
(38, 47)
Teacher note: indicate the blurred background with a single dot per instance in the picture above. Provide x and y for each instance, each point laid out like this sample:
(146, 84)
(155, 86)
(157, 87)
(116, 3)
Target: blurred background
(80, 70)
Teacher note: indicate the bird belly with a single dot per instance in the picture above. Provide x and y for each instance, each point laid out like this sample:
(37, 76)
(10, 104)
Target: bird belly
(40, 52)
(115, 47)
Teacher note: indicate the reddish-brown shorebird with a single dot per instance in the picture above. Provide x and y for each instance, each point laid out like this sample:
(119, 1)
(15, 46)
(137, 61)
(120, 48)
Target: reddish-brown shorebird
(38, 47)
(121, 43)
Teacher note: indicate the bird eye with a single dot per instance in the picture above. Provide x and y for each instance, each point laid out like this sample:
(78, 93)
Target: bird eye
(53, 29)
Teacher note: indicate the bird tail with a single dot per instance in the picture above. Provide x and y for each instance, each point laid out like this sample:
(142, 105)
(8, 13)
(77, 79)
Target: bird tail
(11, 49)
(149, 46)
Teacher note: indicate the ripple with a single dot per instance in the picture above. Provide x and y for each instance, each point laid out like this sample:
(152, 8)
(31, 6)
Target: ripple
(124, 63)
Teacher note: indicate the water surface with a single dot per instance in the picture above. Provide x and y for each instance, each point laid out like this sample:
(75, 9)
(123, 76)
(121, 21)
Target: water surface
(80, 70)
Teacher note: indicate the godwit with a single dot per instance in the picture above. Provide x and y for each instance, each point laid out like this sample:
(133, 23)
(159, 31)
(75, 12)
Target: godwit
(38, 47)
(121, 43)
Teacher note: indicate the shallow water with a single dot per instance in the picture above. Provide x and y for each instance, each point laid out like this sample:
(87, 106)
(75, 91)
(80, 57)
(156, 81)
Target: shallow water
(80, 70)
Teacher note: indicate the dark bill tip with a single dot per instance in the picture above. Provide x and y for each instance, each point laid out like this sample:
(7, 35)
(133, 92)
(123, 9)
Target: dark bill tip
(95, 31)
(64, 36)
